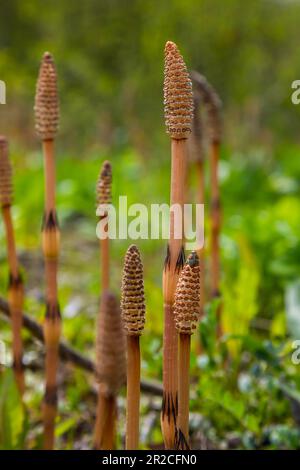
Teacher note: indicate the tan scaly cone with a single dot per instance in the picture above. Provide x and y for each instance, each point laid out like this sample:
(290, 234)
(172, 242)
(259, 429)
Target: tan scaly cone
(46, 124)
(15, 288)
(187, 312)
(111, 370)
(178, 101)
(110, 337)
(133, 316)
(213, 107)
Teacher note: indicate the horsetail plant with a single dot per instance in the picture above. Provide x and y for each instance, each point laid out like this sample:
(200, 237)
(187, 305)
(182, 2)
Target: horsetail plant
(46, 124)
(110, 341)
(111, 370)
(15, 287)
(178, 102)
(198, 158)
(213, 107)
(186, 312)
(133, 316)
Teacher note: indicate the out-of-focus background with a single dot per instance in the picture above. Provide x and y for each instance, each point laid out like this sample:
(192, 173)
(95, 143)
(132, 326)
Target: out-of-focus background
(109, 58)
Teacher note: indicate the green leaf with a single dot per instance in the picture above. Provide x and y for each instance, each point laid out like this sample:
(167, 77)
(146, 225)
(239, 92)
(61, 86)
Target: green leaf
(12, 414)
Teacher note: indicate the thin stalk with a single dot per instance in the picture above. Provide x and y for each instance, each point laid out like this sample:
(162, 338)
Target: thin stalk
(133, 316)
(173, 265)
(105, 427)
(52, 324)
(104, 249)
(184, 392)
(187, 312)
(133, 392)
(213, 104)
(215, 228)
(15, 299)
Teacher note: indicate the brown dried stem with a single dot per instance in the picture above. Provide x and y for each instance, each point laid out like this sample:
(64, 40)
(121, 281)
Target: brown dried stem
(46, 118)
(15, 288)
(178, 101)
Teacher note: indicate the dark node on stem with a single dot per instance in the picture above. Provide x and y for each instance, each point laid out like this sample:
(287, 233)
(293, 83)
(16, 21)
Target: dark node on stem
(50, 221)
(18, 365)
(180, 441)
(216, 294)
(169, 406)
(15, 281)
(180, 260)
(51, 396)
(52, 311)
(167, 262)
(216, 204)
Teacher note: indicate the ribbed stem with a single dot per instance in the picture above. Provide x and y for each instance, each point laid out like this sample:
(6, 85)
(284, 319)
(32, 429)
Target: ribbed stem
(48, 150)
(173, 265)
(104, 255)
(104, 438)
(215, 225)
(15, 298)
(183, 392)
(133, 392)
(50, 403)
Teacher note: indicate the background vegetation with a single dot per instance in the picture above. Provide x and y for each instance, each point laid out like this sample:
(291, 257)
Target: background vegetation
(109, 56)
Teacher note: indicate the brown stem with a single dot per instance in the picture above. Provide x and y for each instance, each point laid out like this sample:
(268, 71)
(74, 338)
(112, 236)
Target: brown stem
(215, 228)
(104, 249)
(133, 392)
(52, 325)
(15, 298)
(48, 151)
(173, 265)
(183, 392)
(104, 438)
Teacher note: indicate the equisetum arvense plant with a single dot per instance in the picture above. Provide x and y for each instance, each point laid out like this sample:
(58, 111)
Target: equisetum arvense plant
(133, 317)
(178, 102)
(110, 344)
(46, 124)
(111, 369)
(15, 285)
(212, 103)
(186, 312)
